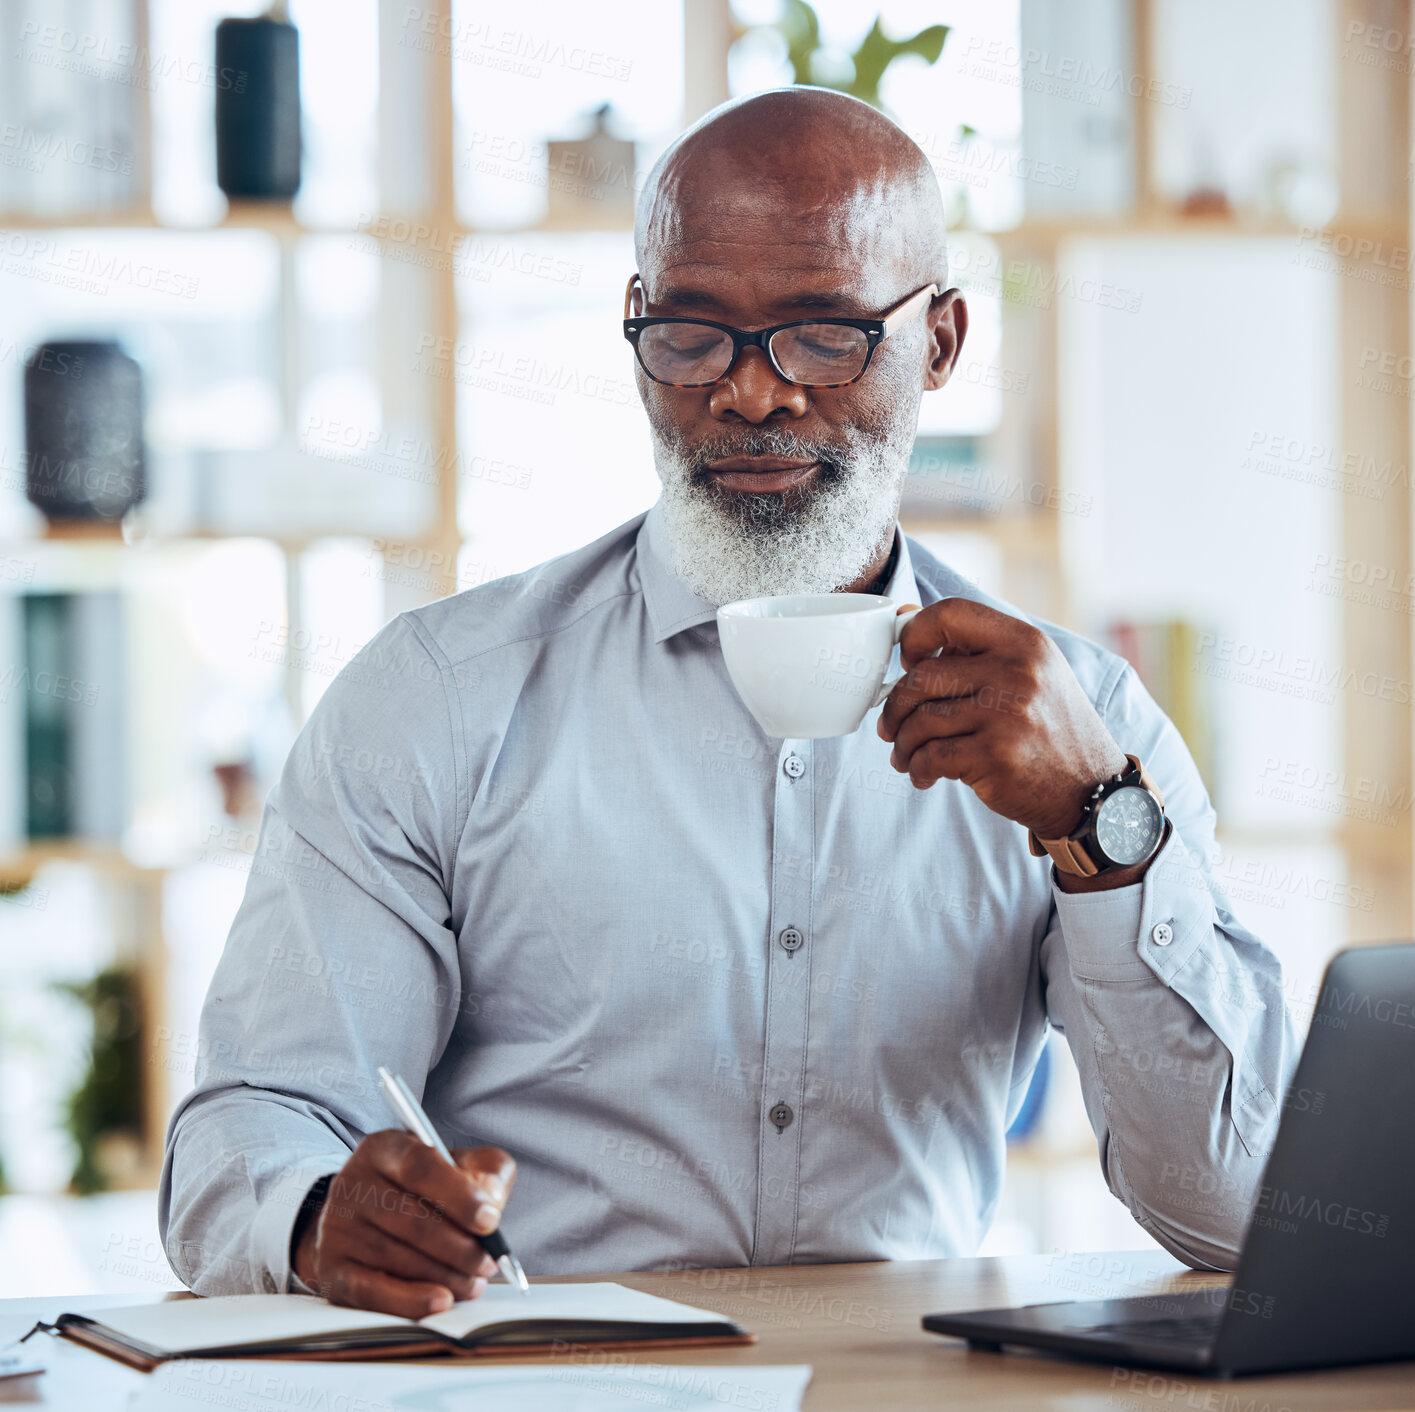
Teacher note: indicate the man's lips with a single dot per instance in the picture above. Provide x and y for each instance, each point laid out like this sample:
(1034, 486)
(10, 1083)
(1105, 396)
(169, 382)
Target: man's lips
(761, 473)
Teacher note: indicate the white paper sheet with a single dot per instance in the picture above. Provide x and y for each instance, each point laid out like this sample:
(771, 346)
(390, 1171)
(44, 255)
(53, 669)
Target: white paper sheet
(254, 1386)
(229, 1321)
(20, 1362)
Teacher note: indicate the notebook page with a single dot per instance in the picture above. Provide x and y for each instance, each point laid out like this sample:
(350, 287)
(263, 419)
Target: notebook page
(567, 1302)
(233, 1319)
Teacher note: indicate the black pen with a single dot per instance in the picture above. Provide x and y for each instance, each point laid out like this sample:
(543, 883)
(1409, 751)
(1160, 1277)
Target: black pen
(411, 1114)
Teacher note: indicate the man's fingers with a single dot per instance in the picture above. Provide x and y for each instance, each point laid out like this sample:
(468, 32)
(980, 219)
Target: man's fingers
(427, 1180)
(952, 758)
(496, 1164)
(934, 720)
(398, 1230)
(363, 1288)
(419, 1224)
(936, 678)
(381, 1251)
(959, 625)
(494, 1171)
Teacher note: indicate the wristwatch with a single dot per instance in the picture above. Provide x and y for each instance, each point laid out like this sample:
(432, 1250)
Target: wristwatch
(1122, 825)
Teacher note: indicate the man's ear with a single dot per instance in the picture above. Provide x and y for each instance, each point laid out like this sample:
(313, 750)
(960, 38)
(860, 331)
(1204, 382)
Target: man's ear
(947, 323)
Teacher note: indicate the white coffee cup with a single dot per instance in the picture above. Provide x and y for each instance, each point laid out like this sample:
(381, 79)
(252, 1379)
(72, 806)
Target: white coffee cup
(811, 665)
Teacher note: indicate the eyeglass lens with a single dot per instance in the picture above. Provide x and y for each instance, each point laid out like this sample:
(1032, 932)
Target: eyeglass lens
(812, 354)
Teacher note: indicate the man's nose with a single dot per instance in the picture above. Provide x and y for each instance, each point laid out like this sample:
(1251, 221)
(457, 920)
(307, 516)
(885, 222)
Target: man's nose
(753, 391)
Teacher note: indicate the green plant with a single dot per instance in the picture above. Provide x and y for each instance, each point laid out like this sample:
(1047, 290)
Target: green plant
(109, 1100)
(9, 887)
(800, 27)
(817, 64)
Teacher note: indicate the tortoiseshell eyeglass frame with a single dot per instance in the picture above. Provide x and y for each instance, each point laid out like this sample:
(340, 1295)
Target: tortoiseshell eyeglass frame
(875, 331)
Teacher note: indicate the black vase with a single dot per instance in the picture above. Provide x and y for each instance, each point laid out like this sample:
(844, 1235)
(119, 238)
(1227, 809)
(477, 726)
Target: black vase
(257, 109)
(83, 431)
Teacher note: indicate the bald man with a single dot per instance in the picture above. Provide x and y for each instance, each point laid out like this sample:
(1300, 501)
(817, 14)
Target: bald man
(712, 998)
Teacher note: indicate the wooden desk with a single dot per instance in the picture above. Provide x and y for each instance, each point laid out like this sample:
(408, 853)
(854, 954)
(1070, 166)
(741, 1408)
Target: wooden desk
(858, 1325)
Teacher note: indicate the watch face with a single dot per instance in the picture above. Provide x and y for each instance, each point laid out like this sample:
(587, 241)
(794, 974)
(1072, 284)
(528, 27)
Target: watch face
(1129, 824)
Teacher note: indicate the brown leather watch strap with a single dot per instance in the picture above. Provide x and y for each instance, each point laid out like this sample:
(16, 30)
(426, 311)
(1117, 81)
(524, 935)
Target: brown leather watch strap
(1068, 853)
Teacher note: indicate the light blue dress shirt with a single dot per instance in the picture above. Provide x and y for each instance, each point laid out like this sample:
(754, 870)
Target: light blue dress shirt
(727, 999)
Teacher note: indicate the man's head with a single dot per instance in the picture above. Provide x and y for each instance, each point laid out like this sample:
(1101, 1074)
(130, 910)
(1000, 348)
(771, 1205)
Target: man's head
(792, 204)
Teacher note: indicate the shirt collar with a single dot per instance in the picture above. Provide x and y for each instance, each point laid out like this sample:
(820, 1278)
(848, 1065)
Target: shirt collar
(673, 607)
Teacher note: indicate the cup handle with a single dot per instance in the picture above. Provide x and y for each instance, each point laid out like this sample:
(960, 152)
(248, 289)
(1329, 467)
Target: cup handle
(901, 621)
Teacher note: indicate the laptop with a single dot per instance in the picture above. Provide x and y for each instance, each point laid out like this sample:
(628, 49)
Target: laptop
(1327, 1272)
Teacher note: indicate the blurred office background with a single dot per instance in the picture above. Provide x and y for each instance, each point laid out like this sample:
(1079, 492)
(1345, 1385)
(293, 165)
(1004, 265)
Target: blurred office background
(1181, 424)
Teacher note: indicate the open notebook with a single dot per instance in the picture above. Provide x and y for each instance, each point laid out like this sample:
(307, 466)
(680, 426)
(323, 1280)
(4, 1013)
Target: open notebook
(501, 1321)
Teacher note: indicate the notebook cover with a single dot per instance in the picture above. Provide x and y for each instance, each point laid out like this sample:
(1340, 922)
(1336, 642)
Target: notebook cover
(145, 1358)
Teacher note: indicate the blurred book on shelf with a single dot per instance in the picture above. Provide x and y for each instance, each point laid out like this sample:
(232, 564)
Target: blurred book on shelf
(62, 681)
(1163, 654)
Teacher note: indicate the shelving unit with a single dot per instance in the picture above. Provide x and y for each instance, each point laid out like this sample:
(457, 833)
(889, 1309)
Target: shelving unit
(1373, 134)
(437, 210)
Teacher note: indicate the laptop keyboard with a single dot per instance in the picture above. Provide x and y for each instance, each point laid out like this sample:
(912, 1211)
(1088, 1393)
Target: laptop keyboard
(1190, 1329)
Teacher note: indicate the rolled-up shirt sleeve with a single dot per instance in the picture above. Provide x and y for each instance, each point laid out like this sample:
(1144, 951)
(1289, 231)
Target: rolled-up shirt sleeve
(1175, 1014)
(342, 956)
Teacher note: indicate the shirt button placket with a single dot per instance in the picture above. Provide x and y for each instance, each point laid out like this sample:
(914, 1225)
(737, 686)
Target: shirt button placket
(788, 1000)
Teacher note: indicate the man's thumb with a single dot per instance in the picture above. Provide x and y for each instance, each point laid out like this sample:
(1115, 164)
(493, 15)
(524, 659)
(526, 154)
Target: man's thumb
(493, 1168)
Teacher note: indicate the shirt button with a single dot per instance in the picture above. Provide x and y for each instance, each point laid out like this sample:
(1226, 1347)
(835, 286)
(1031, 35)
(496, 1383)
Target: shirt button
(791, 939)
(781, 1115)
(1161, 933)
(794, 766)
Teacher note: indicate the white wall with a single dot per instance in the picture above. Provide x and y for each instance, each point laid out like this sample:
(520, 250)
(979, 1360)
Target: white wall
(1167, 415)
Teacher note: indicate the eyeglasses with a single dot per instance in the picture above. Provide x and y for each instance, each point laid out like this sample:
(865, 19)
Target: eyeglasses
(807, 352)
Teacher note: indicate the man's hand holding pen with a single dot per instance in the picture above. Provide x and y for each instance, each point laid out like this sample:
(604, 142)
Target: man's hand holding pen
(397, 1232)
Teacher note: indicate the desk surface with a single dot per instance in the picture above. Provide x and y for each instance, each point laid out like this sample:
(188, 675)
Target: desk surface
(858, 1326)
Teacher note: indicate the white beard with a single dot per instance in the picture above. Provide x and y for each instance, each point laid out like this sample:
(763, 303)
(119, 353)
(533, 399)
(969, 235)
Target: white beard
(744, 544)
